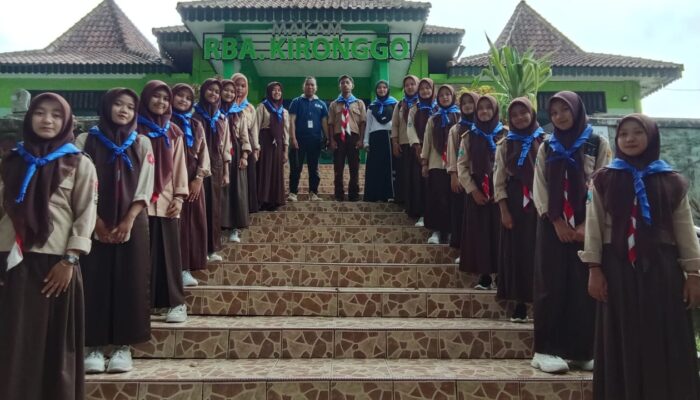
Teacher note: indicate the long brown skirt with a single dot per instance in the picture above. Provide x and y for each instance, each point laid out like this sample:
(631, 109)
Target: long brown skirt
(644, 342)
(253, 200)
(516, 254)
(166, 263)
(437, 205)
(400, 174)
(41, 340)
(564, 312)
(456, 217)
(117, 289)
(416, 185)
(480, 232)
(198, 234)
(235, 213)
(270, 172)
(213, 198)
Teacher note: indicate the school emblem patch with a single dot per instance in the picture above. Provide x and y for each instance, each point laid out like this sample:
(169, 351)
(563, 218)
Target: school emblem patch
(151, 160)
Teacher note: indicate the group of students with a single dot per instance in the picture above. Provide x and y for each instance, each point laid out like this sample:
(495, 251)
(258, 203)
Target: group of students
(97, 230)
(605, 249)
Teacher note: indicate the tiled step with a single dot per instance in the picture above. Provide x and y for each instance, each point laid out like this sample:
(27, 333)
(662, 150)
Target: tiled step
(336, 275)
(338, 379)
(335, 234)
(315, 218)
(324, 337)
(339, 253)
(346, 302)
(338, 206)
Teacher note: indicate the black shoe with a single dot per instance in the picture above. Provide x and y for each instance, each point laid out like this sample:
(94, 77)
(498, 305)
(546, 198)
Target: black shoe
(485, 282)
(339, 197)
(520, 313)
(354, 197)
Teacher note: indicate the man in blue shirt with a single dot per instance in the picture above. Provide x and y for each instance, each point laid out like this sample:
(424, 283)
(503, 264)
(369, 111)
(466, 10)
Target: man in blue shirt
(309, 124)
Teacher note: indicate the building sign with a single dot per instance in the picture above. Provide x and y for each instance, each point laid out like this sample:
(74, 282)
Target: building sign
(307, 41)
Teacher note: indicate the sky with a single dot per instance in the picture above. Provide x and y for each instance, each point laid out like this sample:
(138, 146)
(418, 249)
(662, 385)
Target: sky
(660, 30)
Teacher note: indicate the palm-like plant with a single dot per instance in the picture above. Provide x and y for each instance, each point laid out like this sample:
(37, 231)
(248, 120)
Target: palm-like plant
(514, 75)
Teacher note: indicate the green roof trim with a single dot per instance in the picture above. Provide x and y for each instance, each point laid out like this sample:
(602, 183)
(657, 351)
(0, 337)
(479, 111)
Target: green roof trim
(284, 15)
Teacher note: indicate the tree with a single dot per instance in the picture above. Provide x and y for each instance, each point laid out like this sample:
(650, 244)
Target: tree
(513, 75)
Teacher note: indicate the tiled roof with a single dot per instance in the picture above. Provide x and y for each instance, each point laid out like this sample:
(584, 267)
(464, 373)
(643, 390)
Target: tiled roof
(441, 30)
(528, 30)
(170, 29)
(105, 36)
(308, 4)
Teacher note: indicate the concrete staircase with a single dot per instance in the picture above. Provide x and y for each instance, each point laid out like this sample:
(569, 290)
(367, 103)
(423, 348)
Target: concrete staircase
(329, 300)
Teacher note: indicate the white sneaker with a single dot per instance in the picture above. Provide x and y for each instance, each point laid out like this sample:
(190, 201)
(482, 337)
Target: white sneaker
(94, 361)
(457, 260)
(213, 257)
(314, 197)
(420, 222)
(120, 361)
(434, 238)
(292, 197)
(583, 365)
(188, 279)
(550, 364)
(235, 236)
(177, 314)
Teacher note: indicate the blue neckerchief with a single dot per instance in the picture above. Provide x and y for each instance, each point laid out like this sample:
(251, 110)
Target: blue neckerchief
(236, 108)
(186, 119)
(156, 131)
(445, 112)
(430, 107)
(560, 153)
(465, 122)
(526, 140)
(117, 151)
(211, 119)
(410, 101)
(640, 190)
(488, 136)
(388, 101)
(346, 102)
(278, 111)
(35, 162)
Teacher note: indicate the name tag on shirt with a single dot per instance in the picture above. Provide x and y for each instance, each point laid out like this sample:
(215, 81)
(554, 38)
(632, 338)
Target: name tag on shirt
(310, 124)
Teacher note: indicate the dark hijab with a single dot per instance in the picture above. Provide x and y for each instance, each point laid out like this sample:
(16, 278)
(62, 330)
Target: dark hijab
(30, 218)
(475, 98)
(526, 172)
(210, 108)
(442, 133)
(195, 127)
(665, 192)
(225, 105)
(405, 107)
(480, 153)
(382, 113)
(554, 170)
(162, 152)
(425, 108)
(276, 123)
(117, 181)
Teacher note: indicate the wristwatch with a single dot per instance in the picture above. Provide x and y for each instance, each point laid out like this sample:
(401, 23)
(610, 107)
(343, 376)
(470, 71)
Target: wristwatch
(71, 259)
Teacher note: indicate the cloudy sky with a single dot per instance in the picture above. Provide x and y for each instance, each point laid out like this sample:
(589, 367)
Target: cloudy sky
(668, 31)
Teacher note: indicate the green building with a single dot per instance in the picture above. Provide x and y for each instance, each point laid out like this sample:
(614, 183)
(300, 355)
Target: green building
(271, 40)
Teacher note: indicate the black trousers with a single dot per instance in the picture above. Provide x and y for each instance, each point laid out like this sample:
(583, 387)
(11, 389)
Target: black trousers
(309, 150)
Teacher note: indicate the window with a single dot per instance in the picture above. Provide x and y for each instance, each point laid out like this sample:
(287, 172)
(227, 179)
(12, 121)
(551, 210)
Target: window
(83, 102)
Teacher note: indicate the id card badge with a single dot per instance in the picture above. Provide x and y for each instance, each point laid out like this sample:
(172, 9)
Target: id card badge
(310, 124)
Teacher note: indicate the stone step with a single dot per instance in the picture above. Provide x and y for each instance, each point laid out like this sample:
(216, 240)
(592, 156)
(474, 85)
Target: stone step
(381, 253)
(324, 337)
(337, 206)
(341, 379)
(346, 302)
(334, 234)
(315, 218)
(336, 275)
